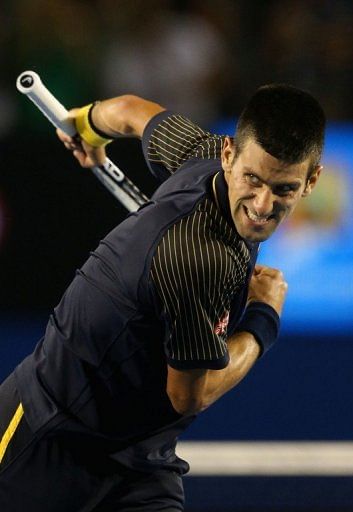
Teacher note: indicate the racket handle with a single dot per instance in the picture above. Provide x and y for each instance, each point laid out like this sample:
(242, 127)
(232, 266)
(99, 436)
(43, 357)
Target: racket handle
(30, 84)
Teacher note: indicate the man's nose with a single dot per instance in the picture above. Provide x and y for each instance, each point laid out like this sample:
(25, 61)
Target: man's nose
(263, 201)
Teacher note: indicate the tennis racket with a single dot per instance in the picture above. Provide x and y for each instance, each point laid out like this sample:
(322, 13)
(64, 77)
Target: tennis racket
(113, 178)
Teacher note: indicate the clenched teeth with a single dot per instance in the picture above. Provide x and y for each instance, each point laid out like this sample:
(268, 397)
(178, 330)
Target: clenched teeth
(256, 218)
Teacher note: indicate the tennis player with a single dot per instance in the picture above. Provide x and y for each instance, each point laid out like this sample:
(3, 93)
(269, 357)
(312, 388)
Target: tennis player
(167, 314)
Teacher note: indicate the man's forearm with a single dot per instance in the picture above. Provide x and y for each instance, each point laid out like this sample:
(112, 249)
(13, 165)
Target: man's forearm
(124, 115)
(243, 353)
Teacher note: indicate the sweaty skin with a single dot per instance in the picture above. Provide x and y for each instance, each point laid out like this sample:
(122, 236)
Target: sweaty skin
(262, 192)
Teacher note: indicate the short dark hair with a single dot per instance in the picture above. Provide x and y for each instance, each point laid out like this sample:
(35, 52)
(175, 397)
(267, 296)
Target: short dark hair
(286, 122)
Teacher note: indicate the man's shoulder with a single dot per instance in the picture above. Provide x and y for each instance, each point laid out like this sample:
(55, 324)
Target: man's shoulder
(201, 243)
(170, 140)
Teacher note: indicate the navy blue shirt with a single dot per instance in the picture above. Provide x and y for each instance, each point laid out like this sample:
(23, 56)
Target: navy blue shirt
(166, 286)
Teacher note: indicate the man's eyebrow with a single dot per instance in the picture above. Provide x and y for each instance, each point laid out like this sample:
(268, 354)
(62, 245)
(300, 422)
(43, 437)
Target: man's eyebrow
(249, 169)
(294, 184)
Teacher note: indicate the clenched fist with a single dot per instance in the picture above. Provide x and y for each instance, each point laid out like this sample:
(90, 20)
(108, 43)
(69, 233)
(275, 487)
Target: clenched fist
(268, 285)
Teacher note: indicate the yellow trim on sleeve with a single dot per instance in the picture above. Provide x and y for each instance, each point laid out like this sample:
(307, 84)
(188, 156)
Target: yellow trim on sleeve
(11, 429)
(85, 130)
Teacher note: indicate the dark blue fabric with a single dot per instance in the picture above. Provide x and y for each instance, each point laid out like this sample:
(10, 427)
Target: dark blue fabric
(262, 321)
(101, 365)
(67, 471)
(158, 170)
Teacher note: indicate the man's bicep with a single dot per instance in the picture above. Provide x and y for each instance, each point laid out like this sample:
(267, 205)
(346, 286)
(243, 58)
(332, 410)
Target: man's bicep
(140, 113)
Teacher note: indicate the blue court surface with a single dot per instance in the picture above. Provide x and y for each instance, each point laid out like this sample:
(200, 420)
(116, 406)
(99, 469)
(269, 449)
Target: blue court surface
(281, 441)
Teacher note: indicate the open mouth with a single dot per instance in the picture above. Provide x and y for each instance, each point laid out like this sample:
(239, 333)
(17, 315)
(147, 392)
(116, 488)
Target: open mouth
(258, 219)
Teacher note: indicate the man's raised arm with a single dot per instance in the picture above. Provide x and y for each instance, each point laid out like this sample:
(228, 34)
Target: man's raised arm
(126, 115)
(123, 115)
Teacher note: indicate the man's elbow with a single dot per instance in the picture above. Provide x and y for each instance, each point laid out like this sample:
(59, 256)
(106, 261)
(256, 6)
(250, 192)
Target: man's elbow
(188, 406)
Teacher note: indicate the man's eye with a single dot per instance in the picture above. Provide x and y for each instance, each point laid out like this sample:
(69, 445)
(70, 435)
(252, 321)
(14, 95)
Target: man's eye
(283, 190)
(252, 179)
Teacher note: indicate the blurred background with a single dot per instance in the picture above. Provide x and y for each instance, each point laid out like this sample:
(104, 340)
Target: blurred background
(203, 59)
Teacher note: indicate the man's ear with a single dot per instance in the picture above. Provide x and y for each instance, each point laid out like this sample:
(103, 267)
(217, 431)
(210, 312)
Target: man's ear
(311, 182)
(227, 155)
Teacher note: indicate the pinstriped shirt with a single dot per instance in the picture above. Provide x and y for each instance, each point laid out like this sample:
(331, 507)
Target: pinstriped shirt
(177, 139)
(168, 284)
(200, 265)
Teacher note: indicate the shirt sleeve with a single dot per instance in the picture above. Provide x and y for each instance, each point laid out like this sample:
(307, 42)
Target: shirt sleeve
(192, 275)
(170, 140)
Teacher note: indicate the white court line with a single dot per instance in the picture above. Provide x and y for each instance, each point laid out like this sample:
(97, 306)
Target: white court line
(268, 458)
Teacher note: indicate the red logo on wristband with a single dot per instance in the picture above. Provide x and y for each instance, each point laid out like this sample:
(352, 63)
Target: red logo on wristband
(221, 326)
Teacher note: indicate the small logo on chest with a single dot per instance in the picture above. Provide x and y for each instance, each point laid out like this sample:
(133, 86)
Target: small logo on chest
(221, 326)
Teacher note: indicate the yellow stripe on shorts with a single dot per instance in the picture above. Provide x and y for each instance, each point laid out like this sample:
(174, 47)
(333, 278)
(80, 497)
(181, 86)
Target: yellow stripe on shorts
(11, 429)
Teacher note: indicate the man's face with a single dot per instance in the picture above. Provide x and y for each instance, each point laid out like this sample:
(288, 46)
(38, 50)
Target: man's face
(262, 190)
